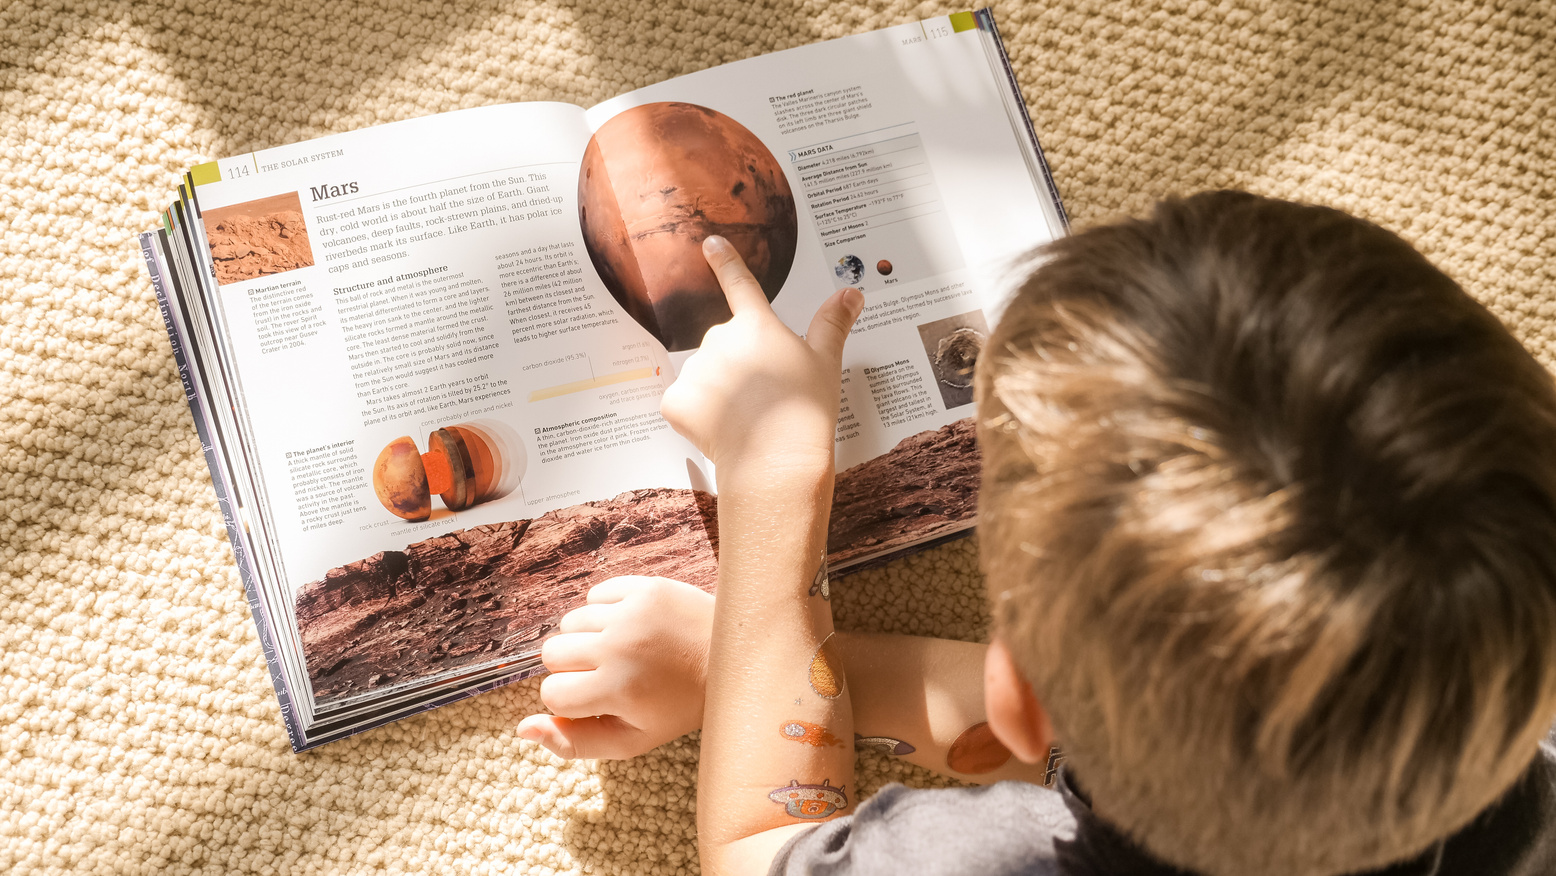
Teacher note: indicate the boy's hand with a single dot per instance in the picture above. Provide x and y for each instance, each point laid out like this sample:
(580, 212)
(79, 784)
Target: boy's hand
(755, 393)
(628, 670)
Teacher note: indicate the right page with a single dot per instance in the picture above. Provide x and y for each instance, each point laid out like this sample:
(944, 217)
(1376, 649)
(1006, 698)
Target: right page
(900, 162)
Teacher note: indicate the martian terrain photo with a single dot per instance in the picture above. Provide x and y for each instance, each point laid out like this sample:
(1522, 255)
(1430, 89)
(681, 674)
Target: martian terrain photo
(925, 487)
(477, 596)
(474, 597)
(953, 345)
(256, 238)
(658, 179)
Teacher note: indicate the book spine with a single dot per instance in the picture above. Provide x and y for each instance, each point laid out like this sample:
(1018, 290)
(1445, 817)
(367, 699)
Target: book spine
(986, 25)
(219, 479)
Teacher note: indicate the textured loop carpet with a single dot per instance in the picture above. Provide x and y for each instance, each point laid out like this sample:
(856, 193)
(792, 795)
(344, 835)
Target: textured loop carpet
(138, 730)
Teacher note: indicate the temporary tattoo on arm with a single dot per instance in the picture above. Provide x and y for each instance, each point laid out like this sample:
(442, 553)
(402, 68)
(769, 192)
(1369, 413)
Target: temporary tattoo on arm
(821, 583)
(810, 734)
(884, 744)
(977, 751)
(826, 671)
(1055, 759)
(810, 801)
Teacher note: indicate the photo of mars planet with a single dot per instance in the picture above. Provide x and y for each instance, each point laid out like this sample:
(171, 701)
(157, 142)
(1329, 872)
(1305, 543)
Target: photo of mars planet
(658, 179)
(256, 238)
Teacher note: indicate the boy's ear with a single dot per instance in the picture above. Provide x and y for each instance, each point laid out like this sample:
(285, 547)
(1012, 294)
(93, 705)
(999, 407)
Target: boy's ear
(1016, 717)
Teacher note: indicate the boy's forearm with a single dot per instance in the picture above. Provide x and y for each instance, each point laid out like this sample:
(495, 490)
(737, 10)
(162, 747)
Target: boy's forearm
(921, 699)
(777, 745)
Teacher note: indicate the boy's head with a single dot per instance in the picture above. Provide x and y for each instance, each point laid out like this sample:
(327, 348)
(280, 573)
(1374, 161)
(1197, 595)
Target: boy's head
(1269, 524)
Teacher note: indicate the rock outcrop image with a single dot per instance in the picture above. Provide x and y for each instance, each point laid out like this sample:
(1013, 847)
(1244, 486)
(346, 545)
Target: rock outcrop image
(474, 596)
(257, 238)
(925, 486)
(655, 181)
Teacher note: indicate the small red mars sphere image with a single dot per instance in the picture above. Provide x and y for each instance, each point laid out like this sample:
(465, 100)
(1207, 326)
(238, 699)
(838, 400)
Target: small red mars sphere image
(657, 180)
(883, 267)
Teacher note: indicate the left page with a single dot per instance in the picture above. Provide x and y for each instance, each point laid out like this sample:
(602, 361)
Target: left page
(451, 437)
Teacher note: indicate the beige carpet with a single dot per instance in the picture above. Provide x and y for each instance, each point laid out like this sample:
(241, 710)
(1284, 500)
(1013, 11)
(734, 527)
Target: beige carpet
(138, 730)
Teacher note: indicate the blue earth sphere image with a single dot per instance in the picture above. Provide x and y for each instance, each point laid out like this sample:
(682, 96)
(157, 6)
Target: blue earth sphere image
(849, 269)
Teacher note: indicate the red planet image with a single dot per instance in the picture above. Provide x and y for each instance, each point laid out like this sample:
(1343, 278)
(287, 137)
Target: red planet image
(657, 180)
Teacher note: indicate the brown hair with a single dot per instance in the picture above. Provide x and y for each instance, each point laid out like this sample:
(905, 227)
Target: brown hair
(1269, 522)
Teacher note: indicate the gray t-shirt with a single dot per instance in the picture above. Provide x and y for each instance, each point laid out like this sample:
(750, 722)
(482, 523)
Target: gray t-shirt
(1016, 828)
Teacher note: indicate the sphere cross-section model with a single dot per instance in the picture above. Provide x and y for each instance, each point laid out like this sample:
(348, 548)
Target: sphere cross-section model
(464, 465)
(656, 181)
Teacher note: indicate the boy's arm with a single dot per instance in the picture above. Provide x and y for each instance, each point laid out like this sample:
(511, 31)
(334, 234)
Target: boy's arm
(761, 403)
(777, 740)
(927, 695)
(628, 674)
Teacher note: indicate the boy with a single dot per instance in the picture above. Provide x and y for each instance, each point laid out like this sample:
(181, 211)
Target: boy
(1268, 522)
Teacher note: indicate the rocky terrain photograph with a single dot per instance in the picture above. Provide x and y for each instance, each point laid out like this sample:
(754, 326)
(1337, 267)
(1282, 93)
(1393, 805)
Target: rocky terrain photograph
(256, 238)
(478, 595)
(924, 487)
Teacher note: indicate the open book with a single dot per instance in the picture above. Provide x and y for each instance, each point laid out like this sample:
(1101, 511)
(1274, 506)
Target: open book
(425, 359)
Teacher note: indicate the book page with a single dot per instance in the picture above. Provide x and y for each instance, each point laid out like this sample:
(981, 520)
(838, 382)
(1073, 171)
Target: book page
(886, 161)
(451, 421)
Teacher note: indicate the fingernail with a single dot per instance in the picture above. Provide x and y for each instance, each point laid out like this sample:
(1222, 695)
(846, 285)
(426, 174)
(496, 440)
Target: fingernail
(531, 732)
(853, 299)
(714, 244)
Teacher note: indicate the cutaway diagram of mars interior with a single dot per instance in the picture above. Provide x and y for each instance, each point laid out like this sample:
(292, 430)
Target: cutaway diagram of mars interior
(657, 180)
(256, 238)
(464, 466)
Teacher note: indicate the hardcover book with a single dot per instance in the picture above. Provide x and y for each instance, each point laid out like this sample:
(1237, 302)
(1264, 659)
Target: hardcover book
(425, 359)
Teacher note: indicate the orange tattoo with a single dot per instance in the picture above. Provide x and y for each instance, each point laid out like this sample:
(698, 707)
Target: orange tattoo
(826, 675)
(977, 751)
(810, 734)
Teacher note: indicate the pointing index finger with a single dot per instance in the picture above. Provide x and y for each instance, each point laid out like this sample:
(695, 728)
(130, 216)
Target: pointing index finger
(740, 288)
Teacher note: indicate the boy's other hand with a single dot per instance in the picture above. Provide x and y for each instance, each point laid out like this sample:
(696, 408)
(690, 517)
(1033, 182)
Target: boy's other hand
(628, 669)
(756, 394)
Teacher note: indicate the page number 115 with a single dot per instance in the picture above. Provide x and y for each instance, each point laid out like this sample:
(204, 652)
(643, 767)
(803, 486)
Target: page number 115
(936, 31)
